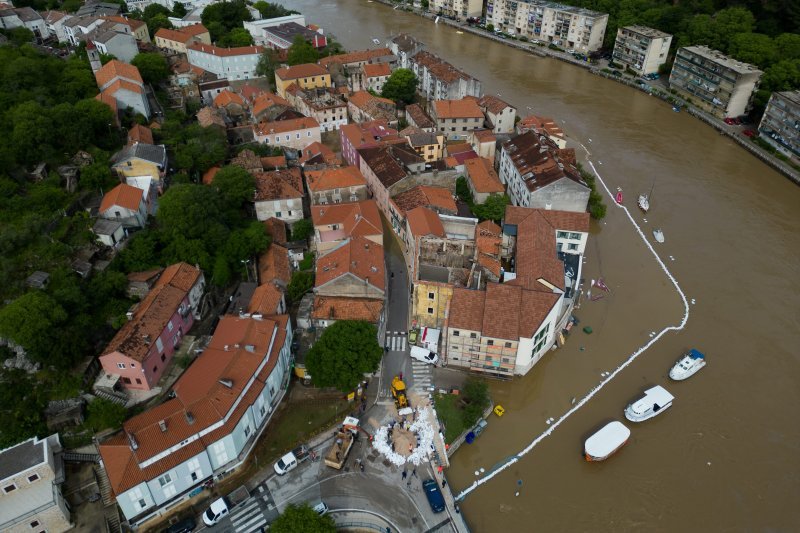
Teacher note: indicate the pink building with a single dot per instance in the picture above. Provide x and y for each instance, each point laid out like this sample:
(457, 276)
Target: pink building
(143, 348)
(355, 136)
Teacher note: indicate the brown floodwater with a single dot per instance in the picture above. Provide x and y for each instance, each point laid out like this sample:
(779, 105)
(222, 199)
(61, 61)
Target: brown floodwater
(726, 456)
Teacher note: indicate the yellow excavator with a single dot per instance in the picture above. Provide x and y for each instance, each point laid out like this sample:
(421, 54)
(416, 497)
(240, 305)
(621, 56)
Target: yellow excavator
(399, 392)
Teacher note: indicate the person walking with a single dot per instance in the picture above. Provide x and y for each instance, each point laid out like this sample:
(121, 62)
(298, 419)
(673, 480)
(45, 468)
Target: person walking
(444, 483)
(414, 472)
(405, 474)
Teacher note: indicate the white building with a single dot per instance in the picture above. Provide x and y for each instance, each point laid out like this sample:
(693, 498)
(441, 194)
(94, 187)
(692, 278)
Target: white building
(256, 27)
(439, 80)
(55, 21)
(460, 9)
(231, 63)
(295, 133)
(569, 27)
(19, 17)
(279, 194)
(641, 49)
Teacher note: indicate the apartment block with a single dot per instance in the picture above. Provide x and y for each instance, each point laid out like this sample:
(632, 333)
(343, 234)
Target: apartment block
(459, 9)
(641, 49)
(780, 124)
(713, 81)
(439, 80)
(565, 26)
(232, 63)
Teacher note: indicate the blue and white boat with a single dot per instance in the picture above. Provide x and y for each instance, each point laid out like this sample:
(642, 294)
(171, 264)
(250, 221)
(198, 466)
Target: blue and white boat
(655, 401)
(687, 365)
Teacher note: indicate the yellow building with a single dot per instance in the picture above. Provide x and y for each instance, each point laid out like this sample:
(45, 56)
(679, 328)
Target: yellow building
(306, 76)
(431, 300)
(428, 145)
(177, 40)
(141, 160)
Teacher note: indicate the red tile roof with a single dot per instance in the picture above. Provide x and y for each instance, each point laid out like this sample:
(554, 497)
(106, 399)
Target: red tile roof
(343, 308)
(120, 84)
(139, 133)
(208, 177)
(334, 178)
(420, 118)
(226, 98)
(464, 108)
(358, 56)
(376, 70)
(264, 101)
(422, 221)
(195, 29)
(123, 195)
(276, 229)
(133, 23)
(178, 36)
(426, 196)
(319, 153)
(265, 300)
(274, 162)
(117, 69)
(493, 104)
(466, 309)
(225, 52)
(306, 70)
(284, 126)
(482, 175)
(279, 185)
(353, 219)
(273, 265)
(358, 257)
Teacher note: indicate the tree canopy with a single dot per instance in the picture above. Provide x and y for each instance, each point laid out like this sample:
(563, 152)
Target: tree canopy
(236, 37)
(194, 149)
(301, 52)
(346, 351)
(302, 229)
(152, 66)
(222, 17)
(401, 86)
(302, 519)
(270, 11)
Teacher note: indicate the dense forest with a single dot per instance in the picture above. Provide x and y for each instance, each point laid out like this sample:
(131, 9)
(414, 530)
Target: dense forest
(765, 33)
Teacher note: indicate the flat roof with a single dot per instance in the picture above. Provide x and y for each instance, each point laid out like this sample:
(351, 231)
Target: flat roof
(647, 32)
(721, 59)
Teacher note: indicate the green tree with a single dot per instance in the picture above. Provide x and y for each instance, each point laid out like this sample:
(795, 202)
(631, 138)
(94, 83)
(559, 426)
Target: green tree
(267, 63)
(301, 52)
(788, 46)
(97, 176)
(20, 35)
(236, 37)
(493, 209)
(178, 10)
(401, 86)
(157, 22)
(346, 351)
(269, 11)
(302, 229)
(300, 284)
(222, 17)
(476, 400)
(104, 414)
(755, 48)
(195, 149)
(154, 10)
(33, 321)
(302, 519)
(235, 184)
(152, 66)
(22, 403)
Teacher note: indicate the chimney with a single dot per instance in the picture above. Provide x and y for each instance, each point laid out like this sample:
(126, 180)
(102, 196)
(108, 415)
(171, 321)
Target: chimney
(189, 418)
(250, 348)
(163, 425)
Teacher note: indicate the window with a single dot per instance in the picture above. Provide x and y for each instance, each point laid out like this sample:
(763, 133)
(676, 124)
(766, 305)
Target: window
(170, 327)
(126, 381)
(508, 345)
(277, 140)
(34, 524)
(562, 235)
(456, 333)
(159, 345)
(163, 357)
(164, 480)
(490, 343)
(247, 431)
(278, 214)
(430, 310)
(572, 246)
(155, 369)
(308, 134)
(576, 236)
(288, 137)
(431, 296)
(121, 365)
(33, 477)
(133, 365)
(138, 381)
(473, 335)
(9, 488)
(263, 410)
(142, 504)
(297, 135)
(288, 213)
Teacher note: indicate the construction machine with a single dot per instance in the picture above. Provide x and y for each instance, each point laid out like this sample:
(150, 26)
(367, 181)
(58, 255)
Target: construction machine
(399, 393)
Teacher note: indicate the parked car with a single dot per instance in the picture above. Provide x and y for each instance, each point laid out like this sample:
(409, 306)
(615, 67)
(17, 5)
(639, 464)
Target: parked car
(216, 512)
(184, 526)
(729, 121)
(321, 508)
(424, 355)
(435, 497)
(749, 133)
(736, 121)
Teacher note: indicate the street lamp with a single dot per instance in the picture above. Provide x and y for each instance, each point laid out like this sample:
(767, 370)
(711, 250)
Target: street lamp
(246, 267)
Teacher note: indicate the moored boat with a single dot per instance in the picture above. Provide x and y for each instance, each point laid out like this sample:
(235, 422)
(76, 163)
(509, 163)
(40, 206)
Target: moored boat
(618, 197)
(658, 235)
(644, 203)
(687, 365)
(654, 401)
(606, 441)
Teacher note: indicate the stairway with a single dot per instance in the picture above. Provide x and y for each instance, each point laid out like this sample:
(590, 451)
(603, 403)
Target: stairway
(119, 398)
(110, 504)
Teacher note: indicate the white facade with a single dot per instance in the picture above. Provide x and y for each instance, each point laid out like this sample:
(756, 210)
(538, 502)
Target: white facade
(233, 64)
(256, 27)
(306, 132)
(531, 350)
(641, 49)
(565, 26)
(55, 25)
(289, 210)
(460, 9)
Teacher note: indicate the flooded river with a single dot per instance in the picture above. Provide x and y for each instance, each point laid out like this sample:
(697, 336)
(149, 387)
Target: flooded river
(726, 456)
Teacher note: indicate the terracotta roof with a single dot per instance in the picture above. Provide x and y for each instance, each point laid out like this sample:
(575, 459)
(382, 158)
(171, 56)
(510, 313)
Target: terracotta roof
(376, 107)
(420, 118)
(273, 265)
(208, 177)
(225, 52)
(318, 153)
(276, 229)
(482, 175)
(265, 300)
(359, 257)
(110, 101)
(457, 148)
(283, 126)
(546, 124)
(343, 308)
(376, 70)
(439, 68)
(426, 195)
(334, 178)
(137, 336)
(379, 159)
(306, 70)
(484, 136)
(133, 23)
(466, 309)
(208, 116)
(146, 275)
(279, 184)
(273, 162)
(488, 239)
(464, 108)
(226, 98)
(117, 69)
(139, 133)
(264, 101)
(493, 104)
(123, 84)
(422, 221)
(123, 195)
(353, 219)
(355, 57)
(537, 160)
(194, 29)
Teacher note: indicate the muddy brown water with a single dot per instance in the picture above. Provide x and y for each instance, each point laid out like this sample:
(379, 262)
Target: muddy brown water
(726, 456)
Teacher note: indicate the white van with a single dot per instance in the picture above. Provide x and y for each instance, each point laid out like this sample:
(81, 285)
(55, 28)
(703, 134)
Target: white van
(216, 512)
(285, 463)
(424, 355)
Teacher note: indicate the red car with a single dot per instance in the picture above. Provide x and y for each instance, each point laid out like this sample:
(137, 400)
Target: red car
(729, 121)
(749, 133)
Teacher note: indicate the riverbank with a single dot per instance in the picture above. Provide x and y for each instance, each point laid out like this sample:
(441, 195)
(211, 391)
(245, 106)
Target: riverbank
(542, 50)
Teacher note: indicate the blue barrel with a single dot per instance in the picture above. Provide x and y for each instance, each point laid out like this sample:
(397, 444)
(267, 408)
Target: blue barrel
(470, 437)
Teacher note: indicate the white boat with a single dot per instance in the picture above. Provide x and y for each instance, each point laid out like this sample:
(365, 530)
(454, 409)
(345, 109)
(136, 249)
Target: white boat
(688, 365)
(644, 199)
(437, 20)
(376, 41)
(658, 235)
(606, 442)
(653, 402)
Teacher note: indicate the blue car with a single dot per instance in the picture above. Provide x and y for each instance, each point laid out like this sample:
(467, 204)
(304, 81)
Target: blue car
(434, 495)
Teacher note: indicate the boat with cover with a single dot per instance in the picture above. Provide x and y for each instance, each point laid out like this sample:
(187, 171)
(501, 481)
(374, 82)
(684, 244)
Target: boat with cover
(606, 442)
(688, 365)
(658, 235)
(644, 199)
(653, 402)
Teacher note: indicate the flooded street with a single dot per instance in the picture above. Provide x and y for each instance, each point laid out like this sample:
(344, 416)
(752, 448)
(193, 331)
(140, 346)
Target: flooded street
(726, 456)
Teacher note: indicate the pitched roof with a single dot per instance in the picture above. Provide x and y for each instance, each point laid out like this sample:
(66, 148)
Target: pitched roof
(139, 133)
(418, 115)
(493, 104)
(126, 85)
(208, 176)
(226, 98)
(283, 126)
(305, 70)
(484, 136)
(265, 300)
(133, 23)
(488, 240)
(355, 57)
(208, 116)
(278, 184)
(426, 195)
(359, 257)
(464, 108)
(276, 229)
(439, 68)
(177, 36)
(155, 153)
(379, 159)
(546, 124)
(318, 153)
(536, 159)
(265, 100)
(334, 178)
(273, 162)
(273, 265)
(344, 308)
(194, 29)
(225, 52)
(134, 339)
(353, 219)
(376, 107)
(482, 175)
(117, 69)
(422, 221)
(466, 309)
(123, 195)
(375, 70)
(145, 275)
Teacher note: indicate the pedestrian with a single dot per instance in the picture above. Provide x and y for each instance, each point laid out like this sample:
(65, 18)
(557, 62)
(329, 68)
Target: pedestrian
(408, 484)
(414, 472)
(444, 483)
(405, 474)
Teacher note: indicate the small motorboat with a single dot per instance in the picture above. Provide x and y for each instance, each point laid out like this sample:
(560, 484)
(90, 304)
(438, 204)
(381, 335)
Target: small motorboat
(436, 21)
(653, 402)
(658, 235)
(676, 109)
(376, 41)
(606, 442)
(644, 199)
(688, 365)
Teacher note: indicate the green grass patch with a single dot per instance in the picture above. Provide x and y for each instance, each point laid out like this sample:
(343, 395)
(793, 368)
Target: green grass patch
(450, 414)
